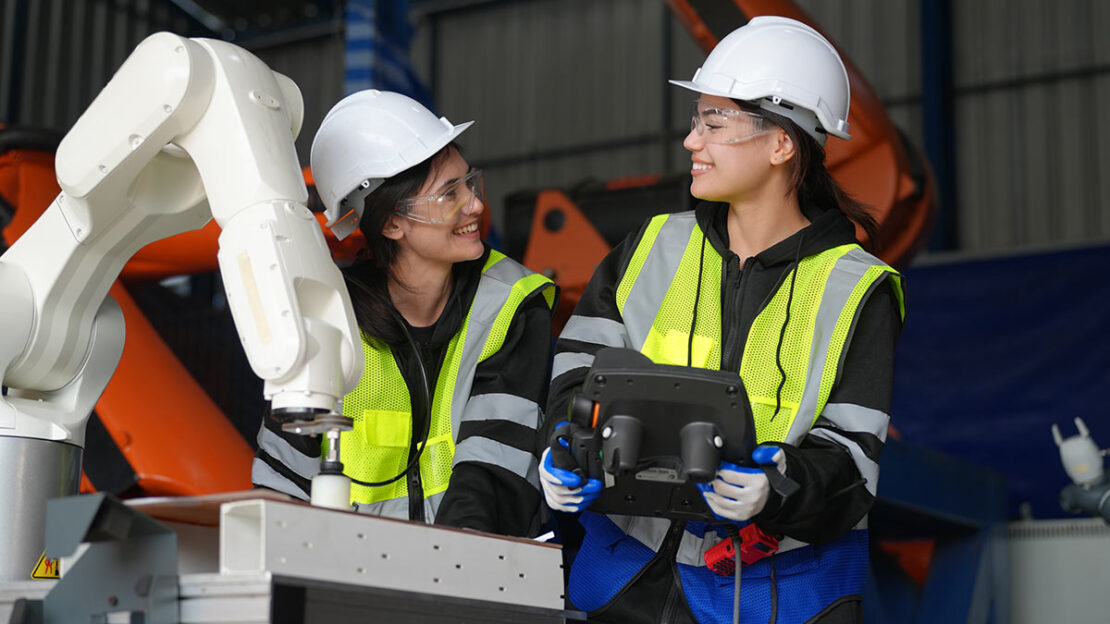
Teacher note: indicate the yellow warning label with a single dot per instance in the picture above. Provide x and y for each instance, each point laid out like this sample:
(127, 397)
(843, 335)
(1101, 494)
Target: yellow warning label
(45, 568)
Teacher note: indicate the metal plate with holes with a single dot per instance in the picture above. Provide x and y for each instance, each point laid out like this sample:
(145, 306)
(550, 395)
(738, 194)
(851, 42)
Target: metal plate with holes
(306, 542)
(267, 598)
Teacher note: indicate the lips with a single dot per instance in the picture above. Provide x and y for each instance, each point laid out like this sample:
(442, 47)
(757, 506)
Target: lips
(698, 168)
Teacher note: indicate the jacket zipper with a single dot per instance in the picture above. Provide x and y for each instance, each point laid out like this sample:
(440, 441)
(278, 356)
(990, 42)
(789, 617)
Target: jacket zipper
(671, 604)
(730, 329)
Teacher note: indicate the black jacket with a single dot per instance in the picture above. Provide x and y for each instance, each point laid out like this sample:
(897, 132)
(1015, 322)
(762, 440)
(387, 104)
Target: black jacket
(480, 496)
(833, 498)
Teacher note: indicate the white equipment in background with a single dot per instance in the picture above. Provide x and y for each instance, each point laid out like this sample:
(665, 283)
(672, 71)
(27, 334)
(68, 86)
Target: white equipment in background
(1090, 489)
(1058, 571)
(186, 130)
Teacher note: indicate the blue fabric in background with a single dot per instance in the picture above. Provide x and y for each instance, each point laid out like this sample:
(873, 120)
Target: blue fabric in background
(995, 351)
(378, 38)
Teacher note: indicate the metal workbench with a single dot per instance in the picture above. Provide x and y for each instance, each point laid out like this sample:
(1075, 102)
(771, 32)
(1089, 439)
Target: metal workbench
(281, 562)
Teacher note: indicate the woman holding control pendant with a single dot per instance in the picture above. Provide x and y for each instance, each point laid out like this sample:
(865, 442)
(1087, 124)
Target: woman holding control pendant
(455, 334)
(764, 278)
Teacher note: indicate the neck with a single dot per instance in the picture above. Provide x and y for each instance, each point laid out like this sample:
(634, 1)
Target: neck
(758, 223)
(419, 290)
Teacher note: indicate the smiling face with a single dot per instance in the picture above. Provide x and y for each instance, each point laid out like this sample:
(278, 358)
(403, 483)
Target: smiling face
(731, 171)
(456, 238)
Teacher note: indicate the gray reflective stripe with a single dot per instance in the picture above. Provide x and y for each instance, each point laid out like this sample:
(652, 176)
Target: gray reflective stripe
(868, 469)
(262, 474)
(493, 291)
(595, 330)
(392, 508)
(568, 361)
(857, 418)
(279, 449)
(485, 450)
(691, 550)
(845, 275)
(655, 277)
(503, 407)
(431, 506)
(787, 544)
(648, 531)
(398, 508)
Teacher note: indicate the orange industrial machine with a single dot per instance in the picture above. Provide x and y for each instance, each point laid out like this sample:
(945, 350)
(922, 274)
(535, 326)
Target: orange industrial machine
(565, 234)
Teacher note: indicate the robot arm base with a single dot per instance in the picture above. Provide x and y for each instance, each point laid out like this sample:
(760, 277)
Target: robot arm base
(1092, 499)
(61, 415)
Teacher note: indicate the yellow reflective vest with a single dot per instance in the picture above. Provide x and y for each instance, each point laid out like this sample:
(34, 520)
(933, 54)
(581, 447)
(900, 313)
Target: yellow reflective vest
(377, 448)
(671, 268)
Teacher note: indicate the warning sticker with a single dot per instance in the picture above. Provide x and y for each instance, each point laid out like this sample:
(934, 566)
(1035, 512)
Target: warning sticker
(45, 568)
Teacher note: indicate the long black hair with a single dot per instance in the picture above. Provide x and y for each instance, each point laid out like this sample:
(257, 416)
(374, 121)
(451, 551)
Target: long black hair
(373, 267)
(810, 179)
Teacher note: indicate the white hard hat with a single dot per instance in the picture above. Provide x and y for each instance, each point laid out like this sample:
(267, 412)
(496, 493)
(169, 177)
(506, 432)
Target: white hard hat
(785, 67)
(366, 138)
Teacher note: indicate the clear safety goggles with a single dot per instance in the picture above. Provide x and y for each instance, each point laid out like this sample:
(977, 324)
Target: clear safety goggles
(726, 126)
(444, 206)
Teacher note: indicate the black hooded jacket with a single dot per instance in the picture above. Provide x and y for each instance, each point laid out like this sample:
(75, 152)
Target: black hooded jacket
(833, 498)
(481, 496)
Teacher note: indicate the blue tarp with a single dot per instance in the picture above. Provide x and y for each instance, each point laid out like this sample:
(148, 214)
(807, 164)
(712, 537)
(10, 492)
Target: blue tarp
(995, 351)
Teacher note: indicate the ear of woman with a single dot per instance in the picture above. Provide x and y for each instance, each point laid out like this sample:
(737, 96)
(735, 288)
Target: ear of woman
(392, 228)
(783, 147)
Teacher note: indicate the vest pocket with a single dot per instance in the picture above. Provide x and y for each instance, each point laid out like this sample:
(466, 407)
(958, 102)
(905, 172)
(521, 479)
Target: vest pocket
(771, 426)
(387, 428)
(378, 450)
(673, 347)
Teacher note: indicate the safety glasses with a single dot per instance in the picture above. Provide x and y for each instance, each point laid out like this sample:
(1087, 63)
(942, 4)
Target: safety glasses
(726, 126)
(444, 206)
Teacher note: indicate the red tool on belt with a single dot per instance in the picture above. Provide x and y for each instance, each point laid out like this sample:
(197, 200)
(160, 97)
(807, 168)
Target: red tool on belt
(754, 545)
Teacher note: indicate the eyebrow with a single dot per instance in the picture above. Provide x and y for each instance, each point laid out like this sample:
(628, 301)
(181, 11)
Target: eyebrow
(447, 183)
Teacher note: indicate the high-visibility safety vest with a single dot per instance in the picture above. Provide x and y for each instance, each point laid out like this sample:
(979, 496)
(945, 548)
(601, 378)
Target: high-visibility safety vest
(377, 448)
(670, 269)
(656, 294)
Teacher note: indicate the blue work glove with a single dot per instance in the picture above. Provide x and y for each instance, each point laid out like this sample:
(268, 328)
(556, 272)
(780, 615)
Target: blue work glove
(564, 487)
(739, 493)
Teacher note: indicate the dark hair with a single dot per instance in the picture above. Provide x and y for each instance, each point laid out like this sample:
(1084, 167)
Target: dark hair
(813, 183)
(373, 267)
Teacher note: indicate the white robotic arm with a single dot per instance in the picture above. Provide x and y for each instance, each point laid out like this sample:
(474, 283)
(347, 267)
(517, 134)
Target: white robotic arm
(186, 130)
(181, 121)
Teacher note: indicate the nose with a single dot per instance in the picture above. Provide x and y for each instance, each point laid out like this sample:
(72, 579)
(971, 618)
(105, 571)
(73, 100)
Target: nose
(693, 141)
(475, 206)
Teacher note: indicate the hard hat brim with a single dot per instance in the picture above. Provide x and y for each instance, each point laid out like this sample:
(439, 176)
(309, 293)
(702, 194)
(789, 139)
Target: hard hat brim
(693, 86)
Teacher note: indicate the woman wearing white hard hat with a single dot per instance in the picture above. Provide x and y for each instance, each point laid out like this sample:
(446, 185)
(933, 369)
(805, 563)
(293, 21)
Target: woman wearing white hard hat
(456, 335)
(764, 278)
